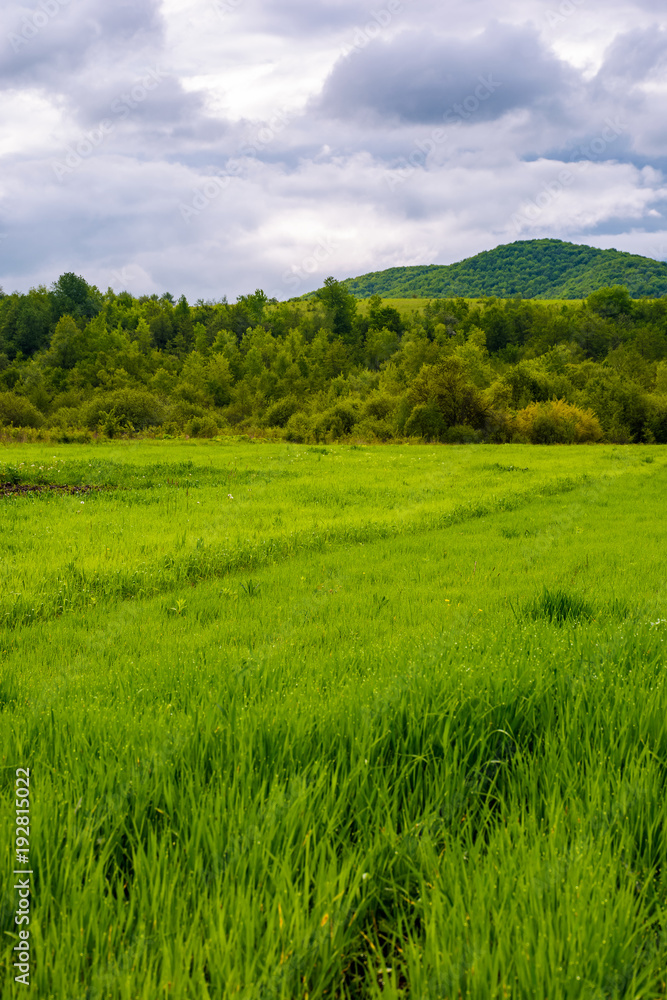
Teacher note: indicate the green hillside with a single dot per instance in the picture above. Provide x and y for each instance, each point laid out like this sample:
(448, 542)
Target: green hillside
(545, 269)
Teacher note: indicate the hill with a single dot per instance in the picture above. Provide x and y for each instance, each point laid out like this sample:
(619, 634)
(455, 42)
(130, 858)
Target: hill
(545, 269)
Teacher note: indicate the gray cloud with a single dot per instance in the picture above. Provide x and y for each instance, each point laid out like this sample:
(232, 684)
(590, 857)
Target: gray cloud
(302, 18)
(417, 77)
(57, 38)
(635, 56)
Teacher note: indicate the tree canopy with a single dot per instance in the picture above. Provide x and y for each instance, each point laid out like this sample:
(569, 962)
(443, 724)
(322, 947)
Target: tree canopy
(75, 361)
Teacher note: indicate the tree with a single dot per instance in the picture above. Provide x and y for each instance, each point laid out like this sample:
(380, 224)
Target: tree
(340, 307)
(72, 295)
(446, 386)
(66, 344)
(255, 305)
(610, 302)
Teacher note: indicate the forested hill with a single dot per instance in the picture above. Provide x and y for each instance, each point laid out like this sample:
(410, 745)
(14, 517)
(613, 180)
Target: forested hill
(532, 269)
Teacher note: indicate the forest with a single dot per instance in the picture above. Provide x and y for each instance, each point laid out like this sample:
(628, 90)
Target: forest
(78, 364)
(548, 269)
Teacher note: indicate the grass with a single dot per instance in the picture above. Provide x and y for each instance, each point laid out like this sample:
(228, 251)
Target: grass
(390, 723)
(561, 606)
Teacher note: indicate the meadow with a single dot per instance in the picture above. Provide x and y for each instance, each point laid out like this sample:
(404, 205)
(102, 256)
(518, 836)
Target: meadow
(336, 722)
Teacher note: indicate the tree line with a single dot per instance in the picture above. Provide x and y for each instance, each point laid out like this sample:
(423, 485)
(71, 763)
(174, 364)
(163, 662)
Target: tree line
(76, 362)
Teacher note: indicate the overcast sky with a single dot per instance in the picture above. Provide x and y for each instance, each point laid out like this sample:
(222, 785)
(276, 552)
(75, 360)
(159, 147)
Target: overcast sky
(210, 147)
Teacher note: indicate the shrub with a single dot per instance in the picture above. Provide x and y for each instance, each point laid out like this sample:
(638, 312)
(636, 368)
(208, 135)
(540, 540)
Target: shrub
(279, 412)
(557, 422)
(127, 406)
(379, 405)
(447, 385)
(298, 428)
(373, 428)
(343, 418)
(656, 423)
(110, 424)
(462, 434)
(71, 435)
(65, 416)
(426, 421)
(202, 427)
(336, 422)
(19, 411)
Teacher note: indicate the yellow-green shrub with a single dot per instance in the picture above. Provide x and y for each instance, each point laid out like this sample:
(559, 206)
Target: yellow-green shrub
(557, 422)
(19, 411)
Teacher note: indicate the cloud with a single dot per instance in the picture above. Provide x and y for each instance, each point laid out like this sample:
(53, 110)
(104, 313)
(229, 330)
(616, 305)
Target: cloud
(48, 45)
(121, 223)
(302, 18)
(635, 56)
(419, 77)
(259, 156)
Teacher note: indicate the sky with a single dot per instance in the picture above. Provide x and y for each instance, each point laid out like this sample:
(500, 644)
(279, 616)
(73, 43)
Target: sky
(212, 147)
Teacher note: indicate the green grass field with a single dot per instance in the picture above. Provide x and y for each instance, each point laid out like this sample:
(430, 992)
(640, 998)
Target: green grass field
(309, 722)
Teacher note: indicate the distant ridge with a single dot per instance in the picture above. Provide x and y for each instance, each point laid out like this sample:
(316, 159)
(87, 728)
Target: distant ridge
(544, 269)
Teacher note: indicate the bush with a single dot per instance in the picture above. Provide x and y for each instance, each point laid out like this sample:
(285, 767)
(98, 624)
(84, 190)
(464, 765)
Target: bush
(202, 427)
(19, 411)
(71, 435)
(462, 434)
(557, 422)
(66, 416)
(447, 386)
(279, 413)
(656, 423)
(298, 428)
(336, 422)
(343, 418)
(374, 429)
(110, 424)
(137, 407)
(426, 421)
(379, 405)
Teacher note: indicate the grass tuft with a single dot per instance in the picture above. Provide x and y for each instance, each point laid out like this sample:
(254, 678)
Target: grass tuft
(559, 606)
